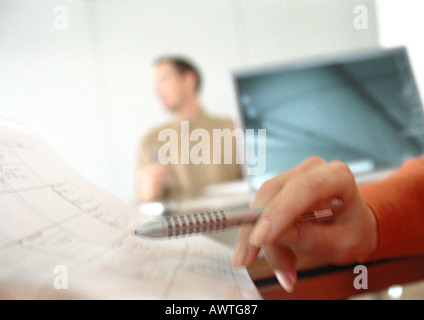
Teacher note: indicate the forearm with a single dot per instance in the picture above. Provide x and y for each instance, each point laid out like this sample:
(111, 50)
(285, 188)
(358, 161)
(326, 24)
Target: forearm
(398, 205)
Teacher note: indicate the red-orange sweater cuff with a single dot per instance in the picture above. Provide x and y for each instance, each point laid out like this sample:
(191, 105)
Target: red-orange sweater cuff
(398, 205)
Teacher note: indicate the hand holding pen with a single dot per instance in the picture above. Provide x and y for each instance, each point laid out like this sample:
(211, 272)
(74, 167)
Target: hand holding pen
(350, 235)
(218, 220)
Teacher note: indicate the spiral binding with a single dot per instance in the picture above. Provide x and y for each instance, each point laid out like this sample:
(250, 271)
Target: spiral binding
(196, 222)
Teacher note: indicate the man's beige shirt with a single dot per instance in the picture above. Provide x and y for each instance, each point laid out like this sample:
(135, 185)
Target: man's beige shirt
(189, 179)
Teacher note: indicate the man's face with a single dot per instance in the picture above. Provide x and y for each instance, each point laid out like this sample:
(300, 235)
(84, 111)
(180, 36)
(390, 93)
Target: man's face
(170, 86)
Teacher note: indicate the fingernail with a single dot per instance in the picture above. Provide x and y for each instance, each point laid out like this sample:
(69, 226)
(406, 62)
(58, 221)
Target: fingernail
(286, 280)
(260, 232)
(240, 254)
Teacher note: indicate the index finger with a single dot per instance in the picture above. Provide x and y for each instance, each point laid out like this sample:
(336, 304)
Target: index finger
(301, 194)
(273, 186)
(244, 253)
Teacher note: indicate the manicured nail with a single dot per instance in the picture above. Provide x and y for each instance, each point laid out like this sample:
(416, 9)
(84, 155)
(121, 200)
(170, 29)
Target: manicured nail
(260, 232)
(240, 254)
(286, 280)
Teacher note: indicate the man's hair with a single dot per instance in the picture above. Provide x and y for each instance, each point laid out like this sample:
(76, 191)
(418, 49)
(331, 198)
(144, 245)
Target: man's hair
(182, 65)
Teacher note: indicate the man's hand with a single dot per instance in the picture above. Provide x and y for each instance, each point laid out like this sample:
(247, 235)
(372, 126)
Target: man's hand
(348, 236)
(152, 182)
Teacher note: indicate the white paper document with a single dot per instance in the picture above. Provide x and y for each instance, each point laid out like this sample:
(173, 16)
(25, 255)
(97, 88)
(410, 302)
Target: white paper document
(63, 237)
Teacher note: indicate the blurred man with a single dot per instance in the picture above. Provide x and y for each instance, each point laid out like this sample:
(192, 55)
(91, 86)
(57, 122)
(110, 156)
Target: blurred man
(177, 84)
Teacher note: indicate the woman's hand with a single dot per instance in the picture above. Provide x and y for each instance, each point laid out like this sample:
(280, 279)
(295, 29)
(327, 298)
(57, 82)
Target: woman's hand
(349, 235)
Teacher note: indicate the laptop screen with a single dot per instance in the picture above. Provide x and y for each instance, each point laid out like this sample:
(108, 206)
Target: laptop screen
(363, 109)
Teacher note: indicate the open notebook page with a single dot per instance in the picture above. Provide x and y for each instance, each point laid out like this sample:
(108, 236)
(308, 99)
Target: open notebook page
(63, 237)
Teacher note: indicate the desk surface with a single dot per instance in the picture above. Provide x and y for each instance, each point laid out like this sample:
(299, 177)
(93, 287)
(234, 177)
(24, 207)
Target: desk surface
(319, 280)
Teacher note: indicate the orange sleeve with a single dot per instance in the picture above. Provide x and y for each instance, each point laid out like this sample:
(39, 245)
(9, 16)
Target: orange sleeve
(398, 205)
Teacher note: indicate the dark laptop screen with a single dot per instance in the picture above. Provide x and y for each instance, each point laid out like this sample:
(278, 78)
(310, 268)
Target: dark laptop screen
(363, 109)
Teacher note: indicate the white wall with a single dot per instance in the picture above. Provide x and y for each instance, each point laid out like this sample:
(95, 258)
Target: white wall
(401, 23)
(87, 91)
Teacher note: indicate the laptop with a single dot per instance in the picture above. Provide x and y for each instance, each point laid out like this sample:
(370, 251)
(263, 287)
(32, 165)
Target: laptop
(361, 108)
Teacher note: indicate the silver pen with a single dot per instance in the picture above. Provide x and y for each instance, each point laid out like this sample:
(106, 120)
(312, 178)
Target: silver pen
(216, 220)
